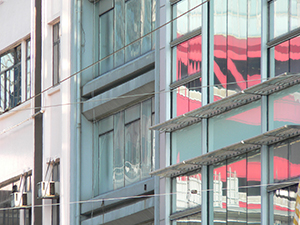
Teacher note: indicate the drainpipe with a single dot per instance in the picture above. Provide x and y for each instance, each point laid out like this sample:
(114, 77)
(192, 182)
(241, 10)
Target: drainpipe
(78, 109)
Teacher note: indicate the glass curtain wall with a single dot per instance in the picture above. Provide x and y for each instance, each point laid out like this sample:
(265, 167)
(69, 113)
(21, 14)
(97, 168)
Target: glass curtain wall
(236, 190)
(128, 24)
(186, 56)
(125, 151)
(285, 167)
(237, 51)
(284, 21)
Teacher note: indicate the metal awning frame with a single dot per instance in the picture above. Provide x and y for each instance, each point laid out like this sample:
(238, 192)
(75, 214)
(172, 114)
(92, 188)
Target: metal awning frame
(192, 165)
(244, 97)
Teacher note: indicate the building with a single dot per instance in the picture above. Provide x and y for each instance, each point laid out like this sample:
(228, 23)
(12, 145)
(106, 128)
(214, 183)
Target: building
(149, 111)
(229, 122)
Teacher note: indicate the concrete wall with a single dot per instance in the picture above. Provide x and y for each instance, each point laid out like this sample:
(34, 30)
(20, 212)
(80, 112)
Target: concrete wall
(14, 22)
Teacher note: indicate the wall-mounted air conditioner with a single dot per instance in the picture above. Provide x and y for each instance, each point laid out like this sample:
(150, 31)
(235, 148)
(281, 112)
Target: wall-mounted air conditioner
(48, 189)
(19, 199)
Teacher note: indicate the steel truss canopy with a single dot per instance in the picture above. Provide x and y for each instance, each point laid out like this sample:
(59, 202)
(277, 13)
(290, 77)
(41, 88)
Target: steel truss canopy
(244, 97)
(269, 138)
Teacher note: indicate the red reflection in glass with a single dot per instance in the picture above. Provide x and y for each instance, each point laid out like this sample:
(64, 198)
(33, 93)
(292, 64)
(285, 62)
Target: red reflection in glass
(188, 58)
(250, 117)
(287, 109)
(281, 55)
(295, 55)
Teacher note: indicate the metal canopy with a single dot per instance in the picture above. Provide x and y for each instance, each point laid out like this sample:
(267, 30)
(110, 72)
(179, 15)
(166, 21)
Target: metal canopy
(249, 95)
(192, 165)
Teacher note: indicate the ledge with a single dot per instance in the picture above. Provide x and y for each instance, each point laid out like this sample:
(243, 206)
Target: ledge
(119, 97)
(247, 96)
(119, 75)
(135, 189)
(192, 165)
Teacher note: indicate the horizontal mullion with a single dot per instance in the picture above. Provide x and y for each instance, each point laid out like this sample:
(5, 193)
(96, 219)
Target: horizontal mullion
(185, 37)
(185, 80)
(283, 38)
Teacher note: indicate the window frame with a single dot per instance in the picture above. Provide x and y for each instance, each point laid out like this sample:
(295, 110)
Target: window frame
(56, 29)
(8, 103)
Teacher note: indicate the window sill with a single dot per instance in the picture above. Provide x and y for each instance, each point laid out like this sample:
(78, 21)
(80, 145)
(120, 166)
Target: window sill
(21, 107)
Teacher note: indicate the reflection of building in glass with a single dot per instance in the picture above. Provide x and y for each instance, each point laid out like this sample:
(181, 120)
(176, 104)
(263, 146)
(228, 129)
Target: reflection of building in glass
(230, 151)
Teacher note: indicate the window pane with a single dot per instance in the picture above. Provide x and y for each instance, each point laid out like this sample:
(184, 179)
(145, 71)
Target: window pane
(7, 61)
(280, 17)
(219, 193)
(188, 22)
(181, 139)
(146, 25)
(187, 97)
(106, 47)
(237, 46)
(119, 32)
(187, 58)
(294, 14)
(253, 190)
(236, 190)
(119, 152)
(281, 58)
(280, 163)
(187, 192)
(294, 159)
(106, 162)
(294, 54)
(132, 113)
(146, 139)
(284, 108)
(132, 152)
(281, 202)
(245, 118)
(133, 29)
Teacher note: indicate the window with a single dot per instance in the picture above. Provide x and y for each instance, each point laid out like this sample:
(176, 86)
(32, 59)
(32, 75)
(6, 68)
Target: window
(28, 70)
(186, 56)
(125, 23)
(125, 147)
(284, 31)
(237, 51)
(10, 79)
(56, 53)
(285, 177)
(236, 190)
(55, 202)
(283, 17)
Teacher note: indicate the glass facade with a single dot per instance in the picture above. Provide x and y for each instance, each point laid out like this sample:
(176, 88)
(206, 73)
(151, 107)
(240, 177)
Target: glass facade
(128, 28)
(236, 190)
(125, 147)
(186, 56)
(187, 192)
(237, 51)
(244, 118)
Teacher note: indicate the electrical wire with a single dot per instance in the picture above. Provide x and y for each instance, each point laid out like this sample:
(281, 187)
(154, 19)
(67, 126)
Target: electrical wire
(286, 183)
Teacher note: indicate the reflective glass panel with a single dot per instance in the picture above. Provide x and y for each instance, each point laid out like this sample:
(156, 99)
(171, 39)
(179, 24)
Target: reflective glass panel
(132, 152)
(236, 190)
(187, 97)
(281, 8)
(284, 108)
(187, 191)
(188, 22)
(247, 118)
(118, 170)
(219, 193)
(132, 29)
(146, 139)
(187, 58)
(294, 159)
(181, 143)
(294, 14)
(106, 162)
(284, 201)
(119, 32)
(106, 47)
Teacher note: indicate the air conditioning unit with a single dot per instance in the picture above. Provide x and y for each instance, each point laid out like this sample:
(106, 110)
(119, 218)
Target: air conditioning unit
(48, 189)
(19, 199)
